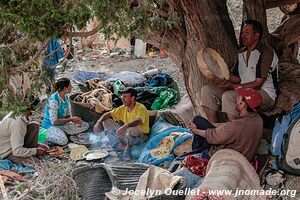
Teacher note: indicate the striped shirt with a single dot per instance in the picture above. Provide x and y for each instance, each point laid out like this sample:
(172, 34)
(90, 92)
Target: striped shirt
(262, 63)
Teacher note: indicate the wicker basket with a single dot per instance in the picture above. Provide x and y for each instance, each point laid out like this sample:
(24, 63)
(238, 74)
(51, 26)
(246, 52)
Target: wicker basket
(84, 113)
(94, 180)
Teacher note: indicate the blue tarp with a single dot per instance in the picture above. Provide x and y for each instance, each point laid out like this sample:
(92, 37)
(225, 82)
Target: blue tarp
(81, 76)
(158, 127)
(146, 157)
(8, 165)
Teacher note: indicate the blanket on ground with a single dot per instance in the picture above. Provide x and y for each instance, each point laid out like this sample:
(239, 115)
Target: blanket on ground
(228, 170)
(146, 156)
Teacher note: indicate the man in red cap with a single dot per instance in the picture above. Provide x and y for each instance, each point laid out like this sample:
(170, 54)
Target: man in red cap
(242, 134)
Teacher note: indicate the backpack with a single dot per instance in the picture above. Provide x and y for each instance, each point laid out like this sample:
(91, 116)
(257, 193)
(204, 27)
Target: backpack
(290, 159)
(159, 79)
(286, 139)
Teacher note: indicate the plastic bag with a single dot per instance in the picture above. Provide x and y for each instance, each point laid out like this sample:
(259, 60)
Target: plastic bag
(42, 135)
(118, 87)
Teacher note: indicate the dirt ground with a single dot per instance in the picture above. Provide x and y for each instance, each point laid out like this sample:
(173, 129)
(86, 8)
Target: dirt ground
(120, 63)
(94, 60)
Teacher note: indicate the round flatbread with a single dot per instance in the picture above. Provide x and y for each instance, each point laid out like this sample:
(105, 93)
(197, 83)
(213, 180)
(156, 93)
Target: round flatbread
(164, 147)
(166, 143)
(95, 154)
(77, 152)
(159, 153)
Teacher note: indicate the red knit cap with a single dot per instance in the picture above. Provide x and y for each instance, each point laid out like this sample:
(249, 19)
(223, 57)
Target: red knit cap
(252, 97)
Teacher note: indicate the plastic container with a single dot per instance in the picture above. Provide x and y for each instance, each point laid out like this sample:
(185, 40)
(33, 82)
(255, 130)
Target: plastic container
(140, 48)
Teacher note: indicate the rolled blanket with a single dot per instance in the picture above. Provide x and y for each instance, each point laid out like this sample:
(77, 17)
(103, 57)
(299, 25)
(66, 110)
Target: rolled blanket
(229, 171)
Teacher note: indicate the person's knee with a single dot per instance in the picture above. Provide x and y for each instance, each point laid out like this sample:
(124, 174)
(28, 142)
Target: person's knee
(110, 125)
(64, 141)
(206, 89)
(57, 136)
(33, 127)
(229, 97)
(211, 97)
(228, 103)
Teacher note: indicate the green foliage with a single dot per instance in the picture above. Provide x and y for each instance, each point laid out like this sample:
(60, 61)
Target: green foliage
(123, 19)
(26, 24)
(40, 19)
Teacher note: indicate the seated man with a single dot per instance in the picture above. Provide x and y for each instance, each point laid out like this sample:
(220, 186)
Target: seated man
(134, 117)
(243, 134)
(19, 138)
(256, 67)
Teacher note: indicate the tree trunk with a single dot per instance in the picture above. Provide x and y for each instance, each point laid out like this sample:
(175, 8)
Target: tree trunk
(284, 40)
(206, 23)
(255, 9)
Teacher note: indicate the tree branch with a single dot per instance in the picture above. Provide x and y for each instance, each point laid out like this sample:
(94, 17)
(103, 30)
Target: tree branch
(36, 55)
(278, 3)
(81, 34)
(289, 30)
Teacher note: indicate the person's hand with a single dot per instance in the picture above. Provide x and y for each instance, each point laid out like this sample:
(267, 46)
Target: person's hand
(97, 128)
(226, 85)
(44, 146)
(122, 131)
(192, 125)
(76, 120)
(40, 151)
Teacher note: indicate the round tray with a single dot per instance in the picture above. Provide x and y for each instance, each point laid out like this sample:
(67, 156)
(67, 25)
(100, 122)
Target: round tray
(85, 138)
(212, 65)
(95, 154)
(73, 129)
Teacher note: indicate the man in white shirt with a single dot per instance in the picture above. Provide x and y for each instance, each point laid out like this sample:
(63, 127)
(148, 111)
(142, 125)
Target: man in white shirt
(256, 67)
(19, 138)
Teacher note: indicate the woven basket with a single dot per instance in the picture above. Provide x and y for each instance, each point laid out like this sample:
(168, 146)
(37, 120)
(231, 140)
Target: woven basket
(126, 175)
(93, 180)
(85, 113)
